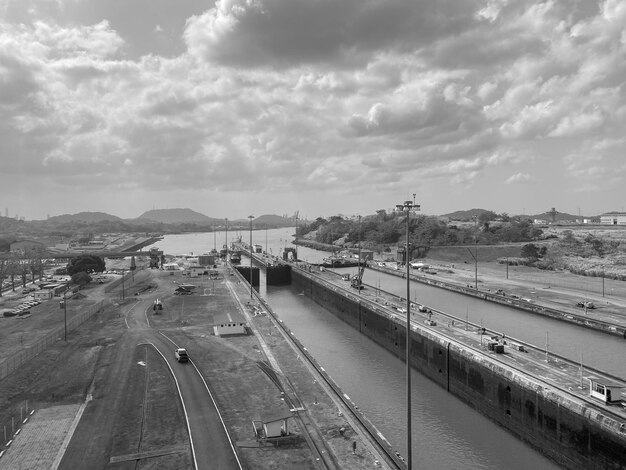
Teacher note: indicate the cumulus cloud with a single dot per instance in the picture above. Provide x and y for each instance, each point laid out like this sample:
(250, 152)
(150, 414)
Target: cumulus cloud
(287, 32)
(304, 95)
(519, 178)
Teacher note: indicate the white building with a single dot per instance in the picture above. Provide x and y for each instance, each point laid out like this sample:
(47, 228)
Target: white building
(613, 218)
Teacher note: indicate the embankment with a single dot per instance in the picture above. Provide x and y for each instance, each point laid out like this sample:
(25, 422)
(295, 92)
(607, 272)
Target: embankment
(571, 431)
(580, 320)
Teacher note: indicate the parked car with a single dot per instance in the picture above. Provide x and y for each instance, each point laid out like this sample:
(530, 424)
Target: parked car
(181, 355)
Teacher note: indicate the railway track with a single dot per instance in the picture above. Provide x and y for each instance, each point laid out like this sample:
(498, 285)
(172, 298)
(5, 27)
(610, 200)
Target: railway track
(392, 458)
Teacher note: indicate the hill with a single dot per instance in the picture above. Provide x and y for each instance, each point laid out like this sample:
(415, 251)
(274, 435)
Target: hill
(274, 221)
(89, 217)
(558, 217)
(177, 216)
(465, 215)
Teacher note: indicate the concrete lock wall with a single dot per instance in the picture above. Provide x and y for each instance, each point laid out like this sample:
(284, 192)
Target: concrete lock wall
(561, 426)
(245, 272)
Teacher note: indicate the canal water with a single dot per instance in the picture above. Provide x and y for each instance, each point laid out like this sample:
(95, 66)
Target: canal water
(446, 433)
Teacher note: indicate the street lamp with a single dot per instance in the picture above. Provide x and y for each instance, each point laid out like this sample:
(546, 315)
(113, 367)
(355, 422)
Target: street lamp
(250, 217)
(407, 207)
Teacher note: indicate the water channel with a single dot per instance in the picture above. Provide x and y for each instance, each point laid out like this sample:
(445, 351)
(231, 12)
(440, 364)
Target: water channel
(446, 433)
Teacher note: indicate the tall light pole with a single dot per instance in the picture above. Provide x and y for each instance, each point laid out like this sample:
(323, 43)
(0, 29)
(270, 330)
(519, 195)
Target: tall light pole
(250, 217)
(65, 315)
(407, 207)
(296, 239)
(359, 268)
(475, 256)
(226, 245)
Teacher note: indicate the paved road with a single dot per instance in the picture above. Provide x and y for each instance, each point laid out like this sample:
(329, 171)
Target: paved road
(210, 443)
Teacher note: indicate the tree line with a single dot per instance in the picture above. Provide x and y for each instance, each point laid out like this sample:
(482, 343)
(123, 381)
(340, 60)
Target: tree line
(384, 229)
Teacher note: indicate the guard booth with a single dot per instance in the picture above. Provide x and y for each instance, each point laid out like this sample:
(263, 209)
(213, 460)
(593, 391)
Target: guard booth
(605, 391)
(273, 428)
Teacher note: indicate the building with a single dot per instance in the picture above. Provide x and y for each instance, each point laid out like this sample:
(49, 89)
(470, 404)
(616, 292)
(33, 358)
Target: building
(45, 294)
(613, 218)
(605, 391)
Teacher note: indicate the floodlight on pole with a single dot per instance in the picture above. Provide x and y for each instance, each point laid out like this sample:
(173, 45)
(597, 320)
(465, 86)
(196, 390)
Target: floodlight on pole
(250, 217)
(408, 207)
(226, 236)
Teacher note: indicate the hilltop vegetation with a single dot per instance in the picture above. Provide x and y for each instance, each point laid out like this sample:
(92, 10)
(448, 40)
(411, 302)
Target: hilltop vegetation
(515, 240)
(378, 232)
(601, 254)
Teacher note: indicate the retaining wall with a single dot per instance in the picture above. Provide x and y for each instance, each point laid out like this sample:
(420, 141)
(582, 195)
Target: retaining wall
(565, 428)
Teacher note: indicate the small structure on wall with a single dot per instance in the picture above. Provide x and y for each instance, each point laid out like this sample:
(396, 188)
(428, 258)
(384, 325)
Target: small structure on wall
(272, 427)
(605, 391)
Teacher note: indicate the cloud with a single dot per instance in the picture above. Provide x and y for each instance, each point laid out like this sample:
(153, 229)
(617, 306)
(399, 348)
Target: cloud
(286, 32)
(519, 178)
(304, 96)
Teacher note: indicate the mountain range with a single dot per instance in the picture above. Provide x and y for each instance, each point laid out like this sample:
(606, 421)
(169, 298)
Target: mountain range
(169, 216)
(468, 215)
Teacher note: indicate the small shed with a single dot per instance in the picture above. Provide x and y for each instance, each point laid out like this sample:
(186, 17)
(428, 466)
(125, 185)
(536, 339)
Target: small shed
(275, 426)
(604, 390)
(229, 329)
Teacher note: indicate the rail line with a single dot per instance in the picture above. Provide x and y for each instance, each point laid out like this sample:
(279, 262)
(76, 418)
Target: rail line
(382, 446)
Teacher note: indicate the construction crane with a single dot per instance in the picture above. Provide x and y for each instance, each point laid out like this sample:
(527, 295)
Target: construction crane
(356, 280)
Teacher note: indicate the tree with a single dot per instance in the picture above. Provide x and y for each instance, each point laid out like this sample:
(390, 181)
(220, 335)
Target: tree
(81, 278)
(4, 269)
(85, 263)
(530, 251)
(486, 217)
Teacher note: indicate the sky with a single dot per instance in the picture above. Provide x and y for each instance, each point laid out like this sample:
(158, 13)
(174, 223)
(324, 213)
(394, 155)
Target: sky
(322, 107)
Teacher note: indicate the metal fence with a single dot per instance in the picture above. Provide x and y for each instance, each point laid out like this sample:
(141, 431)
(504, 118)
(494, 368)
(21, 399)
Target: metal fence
(23, 355)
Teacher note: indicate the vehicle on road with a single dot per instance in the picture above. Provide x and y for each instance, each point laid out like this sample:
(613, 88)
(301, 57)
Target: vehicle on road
(585, 304)
(181, 355)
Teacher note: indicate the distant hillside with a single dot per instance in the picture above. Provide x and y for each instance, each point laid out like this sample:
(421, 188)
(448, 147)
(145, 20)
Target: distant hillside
(274, 221)
(83, 217)
(465, 215)
(179, 216)
(176, 216)
(558, 217)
